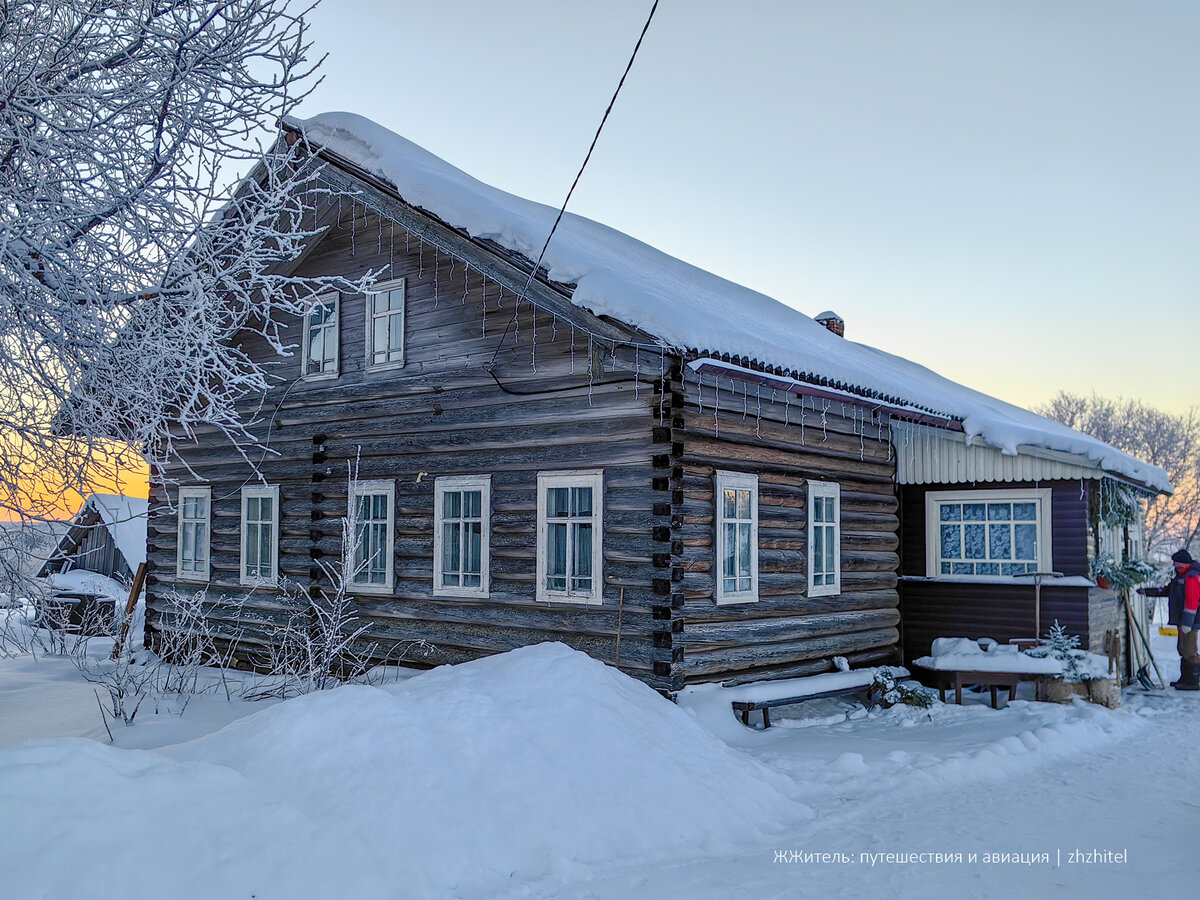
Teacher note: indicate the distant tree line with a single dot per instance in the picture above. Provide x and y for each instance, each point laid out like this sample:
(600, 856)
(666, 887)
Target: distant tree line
(1168, 440)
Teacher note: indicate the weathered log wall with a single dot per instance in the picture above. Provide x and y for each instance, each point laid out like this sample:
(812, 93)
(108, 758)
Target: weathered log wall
(572, 405)
(725, 425)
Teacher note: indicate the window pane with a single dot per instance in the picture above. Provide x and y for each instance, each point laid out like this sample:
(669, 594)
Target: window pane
(831, 550)
(951, 512)
(730, 504)
(252, 509)
(743, 504)
(987, 569)
(945, 568)
(583, 550)
(1026, 541)
(265, 506)
(581, 501)
(1000, 541)
(974, 512)
(1012, 568)
(379, 341)
(451, 504)
(951, 542)
(973, 542)
(1025, 512)
(999, 512)
(395, 335)
(729, 550)
(188, 547)
(963, 568)
(451, 549)
(556, 501)
(556, 549)
(251, 549)
(744, 549)
(472, 503)
(264, 551)
(818, 535)
(473, 551)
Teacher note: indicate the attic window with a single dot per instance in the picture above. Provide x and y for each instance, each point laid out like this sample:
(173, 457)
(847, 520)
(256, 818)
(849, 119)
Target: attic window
(385, 326)
(321, 338)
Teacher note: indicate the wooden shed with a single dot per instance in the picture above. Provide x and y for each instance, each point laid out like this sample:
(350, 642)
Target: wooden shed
(616, 450)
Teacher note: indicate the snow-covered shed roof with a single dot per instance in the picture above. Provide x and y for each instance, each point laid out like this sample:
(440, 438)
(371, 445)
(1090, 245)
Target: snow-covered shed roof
(125, 519)
(684, 306)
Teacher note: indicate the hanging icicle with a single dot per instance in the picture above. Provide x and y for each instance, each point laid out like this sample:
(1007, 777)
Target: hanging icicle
(758, 413)
(637, 371)
(437, 258)
(467, 285)
(379, 240)
(392, 250)
(824, 420)
(353, 230)
(787, 408)
(572, 349)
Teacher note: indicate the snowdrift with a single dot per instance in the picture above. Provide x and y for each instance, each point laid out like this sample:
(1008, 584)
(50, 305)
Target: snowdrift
(457, 781)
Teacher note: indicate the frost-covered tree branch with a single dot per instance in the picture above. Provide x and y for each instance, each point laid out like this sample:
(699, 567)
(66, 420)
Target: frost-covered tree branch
(134, 264)
(1168, 440)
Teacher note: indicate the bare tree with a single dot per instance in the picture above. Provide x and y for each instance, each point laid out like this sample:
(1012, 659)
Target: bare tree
(134, 257)
(1168, 440)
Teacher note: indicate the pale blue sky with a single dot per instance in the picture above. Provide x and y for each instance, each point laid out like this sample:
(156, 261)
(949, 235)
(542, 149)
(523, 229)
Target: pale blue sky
(1005, 192)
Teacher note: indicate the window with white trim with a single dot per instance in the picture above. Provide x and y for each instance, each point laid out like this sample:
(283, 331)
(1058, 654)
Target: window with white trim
(260, 534)
(321, 338)
(194, 511)
(369, 560)
(462, 533)
(985, 534)
(824, 538)
(736, 499)
(385, 326)
(570, 516)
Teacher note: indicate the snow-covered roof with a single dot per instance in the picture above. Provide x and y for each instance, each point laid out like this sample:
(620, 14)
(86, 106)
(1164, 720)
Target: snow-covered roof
(125, 518)
(684, 306)
(82, 581)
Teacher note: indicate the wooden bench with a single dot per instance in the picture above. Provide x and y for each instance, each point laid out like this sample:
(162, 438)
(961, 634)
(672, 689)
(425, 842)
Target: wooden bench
(746, 706)
(945, 679)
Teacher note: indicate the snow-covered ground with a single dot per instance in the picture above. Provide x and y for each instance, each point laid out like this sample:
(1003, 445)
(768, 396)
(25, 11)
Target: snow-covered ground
(543, 773)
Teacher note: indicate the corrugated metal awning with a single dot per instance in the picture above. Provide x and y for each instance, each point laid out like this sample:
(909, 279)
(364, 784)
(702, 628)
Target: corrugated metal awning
(926, 455)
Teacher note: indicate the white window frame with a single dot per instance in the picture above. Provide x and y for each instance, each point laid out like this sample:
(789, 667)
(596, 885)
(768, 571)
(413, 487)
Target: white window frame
(593, 478)
(824, 490)
(369, 313)
(933, 545)
(371, 489)
(454, 484)
(739, 481)
(259, 491)
(189, 493)
(322, 300)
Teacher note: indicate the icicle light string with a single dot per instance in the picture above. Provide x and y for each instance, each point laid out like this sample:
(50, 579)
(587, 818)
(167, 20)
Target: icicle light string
(613, 344)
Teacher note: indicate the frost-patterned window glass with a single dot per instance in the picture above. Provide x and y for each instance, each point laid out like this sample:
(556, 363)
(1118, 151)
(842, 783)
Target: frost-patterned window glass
(462, 532)
(988, 533)
(371, 516)
(736, 500)
(193, 534)
(569, 536)
(825, 538)
(321, 337)
(260, 534)
(385, 326)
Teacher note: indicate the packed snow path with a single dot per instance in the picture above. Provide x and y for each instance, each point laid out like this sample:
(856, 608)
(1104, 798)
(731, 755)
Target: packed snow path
(542, 773)
(1129, 794)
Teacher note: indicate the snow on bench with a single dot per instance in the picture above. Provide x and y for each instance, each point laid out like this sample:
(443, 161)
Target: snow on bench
(769, 694)
(957, 662)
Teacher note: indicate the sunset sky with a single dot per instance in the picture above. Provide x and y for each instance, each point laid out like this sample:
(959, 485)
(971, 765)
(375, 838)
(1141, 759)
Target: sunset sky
(1005, 192)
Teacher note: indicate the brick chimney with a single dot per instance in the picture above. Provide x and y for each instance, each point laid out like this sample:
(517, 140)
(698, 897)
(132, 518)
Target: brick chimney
(833, 322)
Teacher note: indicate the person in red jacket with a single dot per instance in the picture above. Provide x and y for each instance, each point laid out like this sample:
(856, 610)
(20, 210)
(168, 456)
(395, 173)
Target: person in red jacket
(1183, 602)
